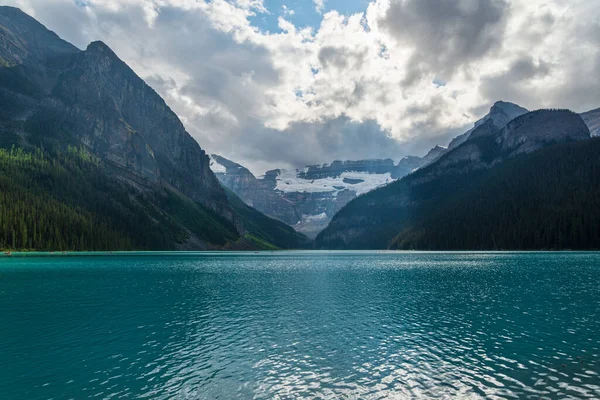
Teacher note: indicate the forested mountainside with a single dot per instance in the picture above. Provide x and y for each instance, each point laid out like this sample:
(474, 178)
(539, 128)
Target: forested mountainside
(264, 229)
(530, 185)
(544, 200)
(67, 201)
(150, 185)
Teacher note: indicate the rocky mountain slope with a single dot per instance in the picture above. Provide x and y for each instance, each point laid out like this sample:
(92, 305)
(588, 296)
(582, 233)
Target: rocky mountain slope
(53, 95)
(500, 114)
(385, 217)
(307, 199)
(592, 120)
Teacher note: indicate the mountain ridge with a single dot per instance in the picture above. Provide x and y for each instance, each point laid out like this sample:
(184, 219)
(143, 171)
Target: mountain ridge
(373, 220)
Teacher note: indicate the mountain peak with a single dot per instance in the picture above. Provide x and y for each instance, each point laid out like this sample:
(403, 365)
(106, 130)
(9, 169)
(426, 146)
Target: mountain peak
(15, 12)
(502, 103)
(99, 45)
(221, 164)
(510, 110)
(501, 113)
(536, 129)
(437, 148)
(23, 40)
(101, 49)
(434, 152)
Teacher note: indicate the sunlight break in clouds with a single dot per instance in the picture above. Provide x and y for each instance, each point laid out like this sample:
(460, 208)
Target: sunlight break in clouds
(394, 80)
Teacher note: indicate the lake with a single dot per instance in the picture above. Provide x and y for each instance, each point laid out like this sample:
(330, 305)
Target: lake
(367, 325)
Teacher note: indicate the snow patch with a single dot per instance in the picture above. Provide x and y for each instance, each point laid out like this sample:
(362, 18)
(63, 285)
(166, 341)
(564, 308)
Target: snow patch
(289, 182)
(313, 218)
(216, 167)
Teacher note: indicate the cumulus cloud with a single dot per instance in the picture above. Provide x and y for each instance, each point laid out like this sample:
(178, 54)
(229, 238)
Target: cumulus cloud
(394, 80)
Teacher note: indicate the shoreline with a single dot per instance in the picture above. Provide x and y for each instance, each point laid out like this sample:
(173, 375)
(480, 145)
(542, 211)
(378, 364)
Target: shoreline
(181, 253)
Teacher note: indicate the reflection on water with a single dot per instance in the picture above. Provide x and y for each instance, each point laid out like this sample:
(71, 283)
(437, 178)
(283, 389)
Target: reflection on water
(306, 324)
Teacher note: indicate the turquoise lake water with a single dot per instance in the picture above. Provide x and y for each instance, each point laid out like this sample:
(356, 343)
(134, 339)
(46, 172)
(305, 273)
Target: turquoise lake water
(300, 324)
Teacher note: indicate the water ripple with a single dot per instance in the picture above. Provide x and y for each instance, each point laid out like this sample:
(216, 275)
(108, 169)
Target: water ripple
(315, 325)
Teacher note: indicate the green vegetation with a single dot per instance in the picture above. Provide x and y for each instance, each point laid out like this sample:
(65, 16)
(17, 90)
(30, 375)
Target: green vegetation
(67, 201)
(196, 218)
(265, 231)
(260, 244)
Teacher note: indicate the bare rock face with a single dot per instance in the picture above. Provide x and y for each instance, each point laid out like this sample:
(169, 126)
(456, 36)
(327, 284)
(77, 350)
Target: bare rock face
(55, 93)
(432, 155)
(487, 145)
(26, 42)
(592, 120)
(501, 113)
(128, 122)
(537, 129)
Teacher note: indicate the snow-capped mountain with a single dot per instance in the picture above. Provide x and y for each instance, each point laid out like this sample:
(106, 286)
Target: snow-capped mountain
(308, 198)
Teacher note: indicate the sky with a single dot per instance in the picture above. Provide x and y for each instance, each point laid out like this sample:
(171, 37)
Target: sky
(288, 83)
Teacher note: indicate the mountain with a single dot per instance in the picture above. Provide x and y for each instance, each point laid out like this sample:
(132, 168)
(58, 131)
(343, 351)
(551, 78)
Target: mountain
(307, 199)
(542, 200)
(67, 201)
(592, 120)
(264, 231)
(525, 186)
(500, 114)
(56, 101)
(433, 155)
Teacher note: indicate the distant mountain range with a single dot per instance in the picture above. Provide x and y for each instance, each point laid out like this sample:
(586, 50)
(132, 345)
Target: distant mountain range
(307, 199)
(90, 114)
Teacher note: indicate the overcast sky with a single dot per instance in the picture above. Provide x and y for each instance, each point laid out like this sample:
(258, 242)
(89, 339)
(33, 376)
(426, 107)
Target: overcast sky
(276, 83)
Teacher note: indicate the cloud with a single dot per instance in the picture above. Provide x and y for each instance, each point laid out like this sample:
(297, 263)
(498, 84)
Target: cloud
(394, 80)
(319, 5)
(550, 57)
(445, 35)
(287, 11)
